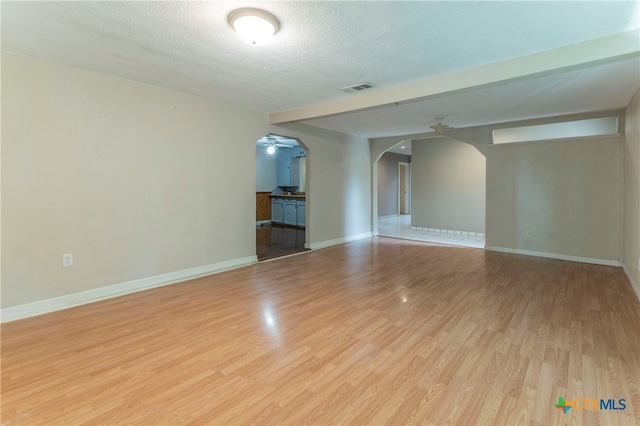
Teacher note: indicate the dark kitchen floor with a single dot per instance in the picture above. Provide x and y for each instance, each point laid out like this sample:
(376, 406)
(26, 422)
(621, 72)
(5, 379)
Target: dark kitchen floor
(274, 241)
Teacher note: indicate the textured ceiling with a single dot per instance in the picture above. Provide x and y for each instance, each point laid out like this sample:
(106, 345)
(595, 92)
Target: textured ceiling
(323, 46)
(597, 88)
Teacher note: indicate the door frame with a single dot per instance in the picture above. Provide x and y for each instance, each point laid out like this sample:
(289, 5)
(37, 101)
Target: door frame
(407, 180)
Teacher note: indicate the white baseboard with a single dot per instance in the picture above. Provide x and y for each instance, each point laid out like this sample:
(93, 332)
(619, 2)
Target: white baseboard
(448, 231)
(556, 256)
(70, 300)
(387, 216)
(329, 243)
(634, 285)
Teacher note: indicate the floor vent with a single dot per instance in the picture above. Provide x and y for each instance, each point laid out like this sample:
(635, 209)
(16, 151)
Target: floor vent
(357, 87)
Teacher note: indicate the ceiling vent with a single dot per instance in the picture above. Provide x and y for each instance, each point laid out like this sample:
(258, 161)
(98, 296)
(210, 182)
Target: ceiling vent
(357, 87)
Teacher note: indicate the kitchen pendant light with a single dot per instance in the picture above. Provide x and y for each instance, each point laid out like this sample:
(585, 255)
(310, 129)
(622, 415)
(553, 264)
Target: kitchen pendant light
(254, 25)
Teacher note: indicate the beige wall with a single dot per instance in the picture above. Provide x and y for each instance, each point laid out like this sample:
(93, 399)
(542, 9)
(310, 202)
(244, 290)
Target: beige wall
(448, 185)
(338, 182)
(138, 181)
(135, 181)
(388, 182)
(567, 192)
(513, 206)
(631, 230)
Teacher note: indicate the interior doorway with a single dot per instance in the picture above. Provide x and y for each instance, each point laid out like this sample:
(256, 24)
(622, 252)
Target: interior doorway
(281, 196)
(422, 212)
(404, 188)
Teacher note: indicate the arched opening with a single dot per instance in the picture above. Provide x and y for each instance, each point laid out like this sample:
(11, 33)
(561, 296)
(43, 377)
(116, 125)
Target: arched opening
(394, 187)
(281, 196)
(447, 192)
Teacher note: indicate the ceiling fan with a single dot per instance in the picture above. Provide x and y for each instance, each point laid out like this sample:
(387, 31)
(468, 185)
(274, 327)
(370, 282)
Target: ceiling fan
(272, 144)
(439, 127)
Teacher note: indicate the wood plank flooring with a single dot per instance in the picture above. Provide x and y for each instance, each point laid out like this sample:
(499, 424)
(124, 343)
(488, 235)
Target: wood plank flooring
(380, 331)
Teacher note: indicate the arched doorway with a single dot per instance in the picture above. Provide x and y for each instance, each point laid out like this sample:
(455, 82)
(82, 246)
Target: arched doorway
(447, 192)
(281, 196)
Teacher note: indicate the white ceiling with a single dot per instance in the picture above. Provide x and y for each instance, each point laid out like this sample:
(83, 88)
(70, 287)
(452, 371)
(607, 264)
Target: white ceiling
(323, 46)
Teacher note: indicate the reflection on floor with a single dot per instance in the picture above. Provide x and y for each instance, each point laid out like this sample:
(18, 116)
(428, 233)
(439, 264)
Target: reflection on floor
(274, 241)
(400, 227)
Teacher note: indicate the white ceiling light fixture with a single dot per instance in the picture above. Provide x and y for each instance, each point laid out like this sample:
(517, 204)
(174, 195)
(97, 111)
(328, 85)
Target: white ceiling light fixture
(272, 143)
(254, 25)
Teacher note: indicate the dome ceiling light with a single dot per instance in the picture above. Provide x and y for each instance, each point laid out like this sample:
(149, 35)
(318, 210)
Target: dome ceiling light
(254, 25)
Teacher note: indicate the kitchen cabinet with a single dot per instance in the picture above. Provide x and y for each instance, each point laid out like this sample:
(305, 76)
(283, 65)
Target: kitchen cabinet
(277, 210)
(301, 214)
(288, 173)
(298, 151)
(290, 212)
(263, 206)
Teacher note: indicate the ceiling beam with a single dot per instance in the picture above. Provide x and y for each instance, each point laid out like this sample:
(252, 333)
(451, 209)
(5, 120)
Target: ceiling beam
(609, 49)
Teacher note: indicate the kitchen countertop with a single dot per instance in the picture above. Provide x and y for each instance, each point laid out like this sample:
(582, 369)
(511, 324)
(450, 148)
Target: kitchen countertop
(288, 196)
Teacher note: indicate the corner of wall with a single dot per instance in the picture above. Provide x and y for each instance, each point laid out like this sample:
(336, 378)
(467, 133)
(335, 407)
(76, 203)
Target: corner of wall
(635, 286)
(631, 193)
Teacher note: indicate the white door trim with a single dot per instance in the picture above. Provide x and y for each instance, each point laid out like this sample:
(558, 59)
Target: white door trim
(407, 183)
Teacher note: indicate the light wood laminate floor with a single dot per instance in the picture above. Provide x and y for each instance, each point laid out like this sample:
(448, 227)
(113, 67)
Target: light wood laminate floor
(380, 331)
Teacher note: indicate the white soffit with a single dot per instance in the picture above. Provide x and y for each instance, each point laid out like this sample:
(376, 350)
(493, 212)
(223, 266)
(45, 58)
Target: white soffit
(602, 126)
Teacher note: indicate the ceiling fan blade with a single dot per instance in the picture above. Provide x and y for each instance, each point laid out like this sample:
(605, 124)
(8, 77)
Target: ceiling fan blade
(440, 128)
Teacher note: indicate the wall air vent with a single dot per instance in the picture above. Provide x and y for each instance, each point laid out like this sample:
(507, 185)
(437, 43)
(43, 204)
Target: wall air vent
(357, 87)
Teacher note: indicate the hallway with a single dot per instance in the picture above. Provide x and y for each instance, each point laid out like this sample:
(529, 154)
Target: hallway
(400, 227)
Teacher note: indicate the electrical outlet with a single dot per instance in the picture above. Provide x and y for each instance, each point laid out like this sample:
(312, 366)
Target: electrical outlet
(67, 260)
(529, 233)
